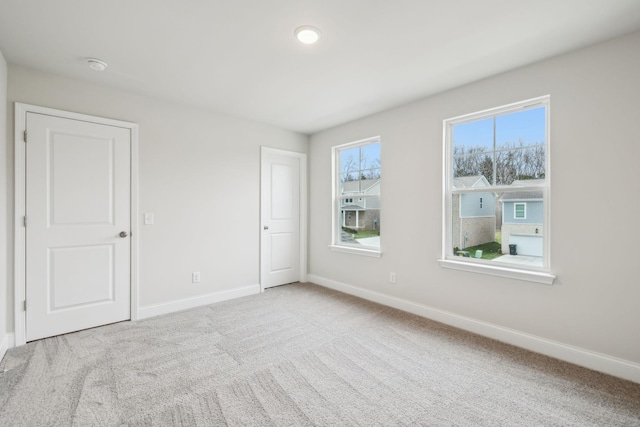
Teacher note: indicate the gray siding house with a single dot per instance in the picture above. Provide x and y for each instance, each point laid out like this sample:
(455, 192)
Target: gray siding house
(522, 221)
(357, 212)
(473, 215)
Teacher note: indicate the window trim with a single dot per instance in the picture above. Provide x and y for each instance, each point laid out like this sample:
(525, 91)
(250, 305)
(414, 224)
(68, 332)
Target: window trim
(336, 220)
(524, 211)
(514, 271)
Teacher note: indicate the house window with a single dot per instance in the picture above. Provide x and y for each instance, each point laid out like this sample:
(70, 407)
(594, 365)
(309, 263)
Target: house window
(357, 177)
(498, 158)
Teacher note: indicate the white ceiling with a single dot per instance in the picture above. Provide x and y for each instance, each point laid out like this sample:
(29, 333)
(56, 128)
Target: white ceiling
(240, 57)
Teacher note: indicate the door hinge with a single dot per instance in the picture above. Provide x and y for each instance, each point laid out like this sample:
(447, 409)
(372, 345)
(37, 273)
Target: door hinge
(25, 135)
(25, 220)
(24, 305)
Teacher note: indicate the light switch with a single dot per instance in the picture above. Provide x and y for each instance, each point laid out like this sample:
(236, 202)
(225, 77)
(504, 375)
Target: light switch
(148, 219)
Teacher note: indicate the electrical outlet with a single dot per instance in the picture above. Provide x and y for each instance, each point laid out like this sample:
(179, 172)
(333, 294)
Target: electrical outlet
(392, 277)
(195, 277)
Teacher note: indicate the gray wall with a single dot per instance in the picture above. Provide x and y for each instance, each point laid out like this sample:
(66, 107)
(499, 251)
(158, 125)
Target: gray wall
(593, 304)
(199, 174)
(470, 204)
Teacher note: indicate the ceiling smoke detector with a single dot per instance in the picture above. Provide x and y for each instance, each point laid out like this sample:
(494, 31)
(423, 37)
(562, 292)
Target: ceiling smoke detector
(307, 34)
(96, 64)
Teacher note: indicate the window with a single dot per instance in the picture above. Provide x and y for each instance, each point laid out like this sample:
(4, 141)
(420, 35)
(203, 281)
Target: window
(356, 201)
(498, 158)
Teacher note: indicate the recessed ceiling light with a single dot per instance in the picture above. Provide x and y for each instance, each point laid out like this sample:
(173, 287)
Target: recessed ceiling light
(96, 64)
(307, 34)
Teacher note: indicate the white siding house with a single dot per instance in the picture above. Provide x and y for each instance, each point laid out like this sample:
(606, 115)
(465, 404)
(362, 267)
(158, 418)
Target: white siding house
(358, 212)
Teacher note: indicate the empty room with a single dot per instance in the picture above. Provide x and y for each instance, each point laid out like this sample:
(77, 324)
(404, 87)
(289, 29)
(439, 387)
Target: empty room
(319, 213)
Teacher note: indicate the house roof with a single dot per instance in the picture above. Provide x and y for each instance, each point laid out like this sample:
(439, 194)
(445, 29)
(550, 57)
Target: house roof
(352, 208)
(353, 186)
(523, 195)
(470, 181)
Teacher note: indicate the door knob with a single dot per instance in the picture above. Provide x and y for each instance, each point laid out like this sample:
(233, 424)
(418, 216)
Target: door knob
(123, 234)
(266, 227)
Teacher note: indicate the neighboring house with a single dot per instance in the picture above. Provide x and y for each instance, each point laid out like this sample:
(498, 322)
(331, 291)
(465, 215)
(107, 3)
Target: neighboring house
(361, 213)
(522, 216)
(473, 215)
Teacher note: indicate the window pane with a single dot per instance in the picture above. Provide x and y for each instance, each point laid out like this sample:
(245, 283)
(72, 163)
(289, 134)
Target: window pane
(518, 153)
(371, 173)
(468, 136)
(351, 176)
(358, 207)
(474, 225)
(370, 156)
(522, 229)
(350, 163)
(476, 165)
(533, 164)
(487, 231)
(360, 222)
(521, 164)
(370, 186)
(522, 128)
(349, 184)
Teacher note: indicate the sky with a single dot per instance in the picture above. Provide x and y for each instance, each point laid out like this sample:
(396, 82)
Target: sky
(527, 125)
(370, 153)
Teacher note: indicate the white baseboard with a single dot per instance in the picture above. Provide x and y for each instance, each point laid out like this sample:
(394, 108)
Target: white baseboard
(589, 359)
(186, 303)
(6, 343)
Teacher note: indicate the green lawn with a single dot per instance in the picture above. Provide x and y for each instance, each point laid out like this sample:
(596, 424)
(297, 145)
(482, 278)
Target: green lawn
(361, 234)
(367, 233)
(489, 250)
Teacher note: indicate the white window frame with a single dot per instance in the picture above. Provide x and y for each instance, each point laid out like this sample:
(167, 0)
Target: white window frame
(524, 211)
(515, 271)
(336, 223)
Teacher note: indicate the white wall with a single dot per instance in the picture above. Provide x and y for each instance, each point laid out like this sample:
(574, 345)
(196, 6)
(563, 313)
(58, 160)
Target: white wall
(199, 174)
(4, 276)
(595, 155)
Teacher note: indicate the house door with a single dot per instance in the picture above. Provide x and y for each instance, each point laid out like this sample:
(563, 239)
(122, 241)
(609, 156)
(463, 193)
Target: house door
(280, 212)
(78, 195)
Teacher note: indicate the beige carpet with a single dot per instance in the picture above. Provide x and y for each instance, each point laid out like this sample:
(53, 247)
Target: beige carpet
(299, 355)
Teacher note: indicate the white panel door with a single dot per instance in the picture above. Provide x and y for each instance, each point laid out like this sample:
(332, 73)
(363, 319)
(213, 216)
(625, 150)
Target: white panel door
(78, 195)
(280, 210)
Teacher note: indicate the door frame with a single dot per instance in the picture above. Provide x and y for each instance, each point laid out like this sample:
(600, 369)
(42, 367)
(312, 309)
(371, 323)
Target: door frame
(302, 160)
(20, 178)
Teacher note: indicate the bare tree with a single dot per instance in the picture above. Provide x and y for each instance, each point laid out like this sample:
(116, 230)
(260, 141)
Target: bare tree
(374, 169)
(511, 161)
(349, 168)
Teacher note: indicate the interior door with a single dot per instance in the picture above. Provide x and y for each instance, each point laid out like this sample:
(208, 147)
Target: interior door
(280, 211)
(78, 195)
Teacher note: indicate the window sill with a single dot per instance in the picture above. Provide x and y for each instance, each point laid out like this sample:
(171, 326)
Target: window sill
(512, 273)
(357, 251)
